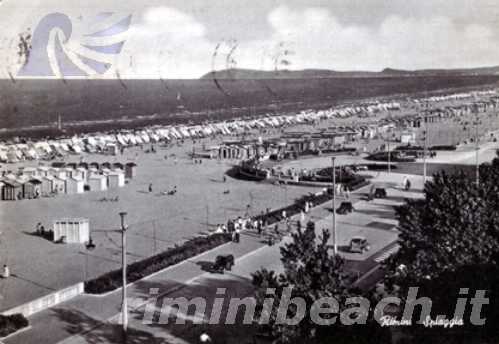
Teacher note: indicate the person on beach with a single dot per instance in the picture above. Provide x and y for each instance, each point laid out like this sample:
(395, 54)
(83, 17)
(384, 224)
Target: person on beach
(6, 271)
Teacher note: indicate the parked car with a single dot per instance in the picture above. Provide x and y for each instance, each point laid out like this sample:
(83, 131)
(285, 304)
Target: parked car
(345, 207)
(380, 193)
(359, 244)
(223, 262)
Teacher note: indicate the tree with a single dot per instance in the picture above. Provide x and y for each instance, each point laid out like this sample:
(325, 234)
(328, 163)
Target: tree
(449, 241)
(313, 273)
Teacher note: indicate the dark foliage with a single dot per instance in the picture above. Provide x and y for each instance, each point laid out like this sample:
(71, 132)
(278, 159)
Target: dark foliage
(449, 241)
(135, 271)
(12, 323)
(313, 273)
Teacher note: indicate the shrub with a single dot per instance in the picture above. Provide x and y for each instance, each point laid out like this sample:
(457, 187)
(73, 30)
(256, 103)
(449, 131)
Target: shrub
(443, 147)
(12, 323)
(140, 269)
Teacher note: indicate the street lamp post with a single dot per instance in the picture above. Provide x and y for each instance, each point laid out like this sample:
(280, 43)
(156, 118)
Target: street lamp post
(477, 147)
(389, 156)
(335, 246)
(124, 308)
(425, 148)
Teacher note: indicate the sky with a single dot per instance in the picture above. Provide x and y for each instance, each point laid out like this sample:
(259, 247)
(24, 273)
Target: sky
(186, 39)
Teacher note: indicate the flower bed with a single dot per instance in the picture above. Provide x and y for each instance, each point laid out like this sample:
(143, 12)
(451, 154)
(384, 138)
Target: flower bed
(140, 269)
(12, 323)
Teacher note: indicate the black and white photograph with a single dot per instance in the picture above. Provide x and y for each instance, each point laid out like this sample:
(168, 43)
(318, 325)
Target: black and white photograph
(249, 172)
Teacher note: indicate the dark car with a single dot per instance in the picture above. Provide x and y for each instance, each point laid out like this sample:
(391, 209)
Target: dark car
(359, 244)
(223, 262)
(380, 193)
(345, 207)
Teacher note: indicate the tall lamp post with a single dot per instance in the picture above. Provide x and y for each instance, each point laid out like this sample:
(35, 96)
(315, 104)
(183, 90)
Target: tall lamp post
(425, 146)
(477, 147)
(335, 246)
(124, 308)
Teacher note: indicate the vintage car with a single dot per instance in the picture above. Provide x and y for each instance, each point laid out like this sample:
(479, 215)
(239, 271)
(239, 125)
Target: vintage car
(359, 244)
(223, 262)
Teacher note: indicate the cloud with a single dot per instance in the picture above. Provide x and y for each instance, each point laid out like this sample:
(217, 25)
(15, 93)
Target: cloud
(169, 43)
(320, 41)
(166, 43)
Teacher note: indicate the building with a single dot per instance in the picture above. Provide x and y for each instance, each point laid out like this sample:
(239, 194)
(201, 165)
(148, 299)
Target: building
(42, 171)
(130, 170)
(75, 186)
(12, 190)
(97, 183)
(116, 179)
(80, 173)
(47, 185)
(59, 185)
(32, 188)
(71, 231)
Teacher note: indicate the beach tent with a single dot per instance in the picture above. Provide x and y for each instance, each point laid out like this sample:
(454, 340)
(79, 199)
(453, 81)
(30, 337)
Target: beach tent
(145, 137)
(138, 140)
(132, 139)
(3, 156)
(121, 140)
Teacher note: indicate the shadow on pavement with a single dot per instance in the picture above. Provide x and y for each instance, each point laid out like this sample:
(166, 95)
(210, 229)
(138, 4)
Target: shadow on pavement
(93, 331)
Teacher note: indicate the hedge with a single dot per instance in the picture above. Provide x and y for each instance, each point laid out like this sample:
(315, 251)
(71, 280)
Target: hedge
(383, 156)
(113, 280)
(444, 147)
(12, 323)
(295, 208)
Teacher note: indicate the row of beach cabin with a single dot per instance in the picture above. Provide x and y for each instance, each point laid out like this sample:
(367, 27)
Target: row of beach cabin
(44, 181)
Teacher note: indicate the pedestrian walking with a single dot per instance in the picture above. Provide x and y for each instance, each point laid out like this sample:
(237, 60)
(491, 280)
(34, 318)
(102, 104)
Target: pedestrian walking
(150, 187)
(407, 185)
(347, 192)
(238, 234)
